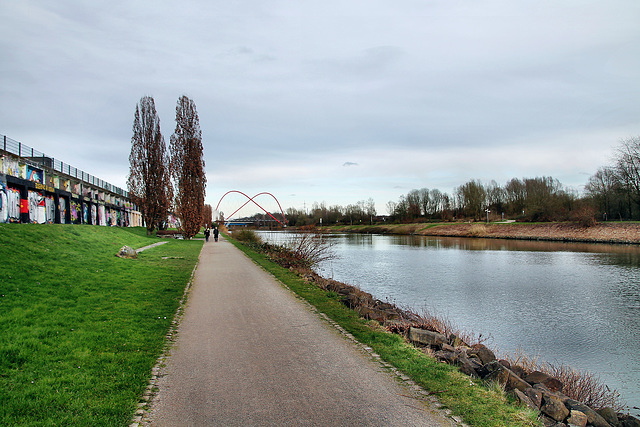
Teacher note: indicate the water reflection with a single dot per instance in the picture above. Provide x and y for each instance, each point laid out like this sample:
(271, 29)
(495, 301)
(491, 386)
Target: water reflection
(464, 243)
(571, 303)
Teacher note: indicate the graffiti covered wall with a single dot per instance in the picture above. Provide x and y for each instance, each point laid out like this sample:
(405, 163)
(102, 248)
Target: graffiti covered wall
(30, 191)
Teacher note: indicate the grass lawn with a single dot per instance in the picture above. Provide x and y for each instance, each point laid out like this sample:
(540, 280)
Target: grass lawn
(479, 405)
(81, 328)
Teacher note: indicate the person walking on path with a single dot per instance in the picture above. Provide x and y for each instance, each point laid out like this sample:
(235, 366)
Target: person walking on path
(248, 352)
(215, 234)
(207, 233)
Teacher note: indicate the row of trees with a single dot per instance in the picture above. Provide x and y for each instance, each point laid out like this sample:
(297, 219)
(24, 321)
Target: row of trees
(161, 181)
(613, 192)
(363, 211)
(534, 199)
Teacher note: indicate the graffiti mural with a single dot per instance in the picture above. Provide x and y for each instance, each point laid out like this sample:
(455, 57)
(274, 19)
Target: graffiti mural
(101, 216)
(10, 166)
(22, 171)
(49, 210)
(35, 175)
(76, 212)
(33, 206)
(49, 180)
(13, 204)
(52, 193)
(37, 213)
(4, 202)
(62, 208)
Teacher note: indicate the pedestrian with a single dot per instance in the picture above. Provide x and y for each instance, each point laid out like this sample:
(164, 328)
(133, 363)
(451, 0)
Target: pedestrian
(215, 234)
(207, 233)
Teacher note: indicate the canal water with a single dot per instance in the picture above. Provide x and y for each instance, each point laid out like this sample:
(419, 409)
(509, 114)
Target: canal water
(566, 303)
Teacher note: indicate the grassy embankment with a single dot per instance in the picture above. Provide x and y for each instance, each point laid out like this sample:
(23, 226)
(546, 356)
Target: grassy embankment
(82, 328)
(609, 232)
(477, 404)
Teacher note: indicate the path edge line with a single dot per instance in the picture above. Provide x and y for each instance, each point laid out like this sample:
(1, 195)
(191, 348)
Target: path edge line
(141, 415)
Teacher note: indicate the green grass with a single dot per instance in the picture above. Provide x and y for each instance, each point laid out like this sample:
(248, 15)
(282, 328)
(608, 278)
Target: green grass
(82, 328)
(479, 405)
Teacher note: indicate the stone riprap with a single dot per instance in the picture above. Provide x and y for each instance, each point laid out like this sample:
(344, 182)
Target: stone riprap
(537, 390)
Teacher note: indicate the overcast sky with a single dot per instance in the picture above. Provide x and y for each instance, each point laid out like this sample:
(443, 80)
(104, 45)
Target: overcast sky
(330, 101)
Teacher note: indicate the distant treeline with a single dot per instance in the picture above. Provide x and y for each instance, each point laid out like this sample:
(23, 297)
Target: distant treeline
(612, 193)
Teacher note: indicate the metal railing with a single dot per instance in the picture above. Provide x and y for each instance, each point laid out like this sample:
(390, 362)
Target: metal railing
(21, 150)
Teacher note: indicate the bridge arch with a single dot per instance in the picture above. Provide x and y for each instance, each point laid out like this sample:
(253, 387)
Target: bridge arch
(252, 199)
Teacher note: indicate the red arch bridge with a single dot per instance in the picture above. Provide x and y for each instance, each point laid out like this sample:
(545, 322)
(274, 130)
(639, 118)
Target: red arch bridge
(229, 221)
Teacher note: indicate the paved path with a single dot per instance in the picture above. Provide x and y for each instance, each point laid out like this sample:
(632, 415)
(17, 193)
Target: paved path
(248, 352)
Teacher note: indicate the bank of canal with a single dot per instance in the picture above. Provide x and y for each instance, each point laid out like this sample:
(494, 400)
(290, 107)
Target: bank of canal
(568, 303)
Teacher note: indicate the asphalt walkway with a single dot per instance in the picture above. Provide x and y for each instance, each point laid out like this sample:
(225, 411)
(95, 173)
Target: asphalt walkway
(248, 352)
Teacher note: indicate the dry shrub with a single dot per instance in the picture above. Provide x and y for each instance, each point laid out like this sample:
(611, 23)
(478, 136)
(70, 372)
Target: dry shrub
(438, 324)
(526, 362)
(478, 230)
(301, 252)
(584, 216)
(578, 385)
(434, 323)
(311, 248)
(406, 229)
(246, 236)
(584, 387)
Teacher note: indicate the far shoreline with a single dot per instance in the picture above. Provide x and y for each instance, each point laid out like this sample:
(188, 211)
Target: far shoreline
(625, 233)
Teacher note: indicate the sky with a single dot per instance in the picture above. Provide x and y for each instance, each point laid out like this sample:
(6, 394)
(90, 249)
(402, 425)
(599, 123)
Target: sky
(329, 101)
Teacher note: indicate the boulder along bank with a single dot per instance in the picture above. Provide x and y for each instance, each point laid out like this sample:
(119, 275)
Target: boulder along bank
(535, 389)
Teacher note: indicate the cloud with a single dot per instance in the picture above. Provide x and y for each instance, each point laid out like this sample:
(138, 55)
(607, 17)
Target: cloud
(423, 94)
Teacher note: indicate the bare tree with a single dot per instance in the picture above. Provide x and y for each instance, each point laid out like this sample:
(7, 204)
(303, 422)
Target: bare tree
(371, 207)
(545, 197)
(149, 184)
(602, 187)
(472, 196)
(391, 207)
(425, 201)
(187, 167)
(628, 167)
(435, 205)
(413, 204)
(495, 197)
(515, 196)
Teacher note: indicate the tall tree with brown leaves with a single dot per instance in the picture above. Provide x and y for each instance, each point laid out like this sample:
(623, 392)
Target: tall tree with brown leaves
(187, 167)
(207, 215)
(149, 183)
